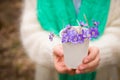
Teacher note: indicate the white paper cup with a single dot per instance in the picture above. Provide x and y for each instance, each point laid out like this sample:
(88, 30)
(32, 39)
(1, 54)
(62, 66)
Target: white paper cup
(75, 53)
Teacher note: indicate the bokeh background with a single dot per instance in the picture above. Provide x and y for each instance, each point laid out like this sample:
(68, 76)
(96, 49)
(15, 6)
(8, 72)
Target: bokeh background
(14, 64)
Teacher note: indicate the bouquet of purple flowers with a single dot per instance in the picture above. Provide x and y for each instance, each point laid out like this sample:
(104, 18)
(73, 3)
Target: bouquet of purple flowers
(79, 34)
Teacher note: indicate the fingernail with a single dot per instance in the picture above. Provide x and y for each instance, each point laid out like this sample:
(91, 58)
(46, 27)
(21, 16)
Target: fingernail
(86, 60)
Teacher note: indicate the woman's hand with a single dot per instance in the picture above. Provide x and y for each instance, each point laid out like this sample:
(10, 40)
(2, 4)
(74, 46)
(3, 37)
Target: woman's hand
(90, 62)
(59, 61)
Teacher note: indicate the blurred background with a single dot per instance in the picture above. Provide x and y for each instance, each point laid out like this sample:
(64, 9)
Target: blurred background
(14, 64)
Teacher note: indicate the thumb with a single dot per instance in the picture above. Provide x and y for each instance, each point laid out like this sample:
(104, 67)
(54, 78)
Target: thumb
(58, 51)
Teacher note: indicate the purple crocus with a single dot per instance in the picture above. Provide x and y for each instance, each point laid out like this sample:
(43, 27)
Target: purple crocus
(72, 35)
(51, 36)
(65, 38)
(72, 32)
(80, 38)
(86, 33)
(75, 36)
(94, 32)
(82, 24)
(96, 24)
(74, 39)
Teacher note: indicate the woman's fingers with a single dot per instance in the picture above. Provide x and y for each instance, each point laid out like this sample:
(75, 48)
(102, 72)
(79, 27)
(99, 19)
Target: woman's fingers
(58, 51)
(92, 53)
(89, 66)
(61, 68)
(59, 61)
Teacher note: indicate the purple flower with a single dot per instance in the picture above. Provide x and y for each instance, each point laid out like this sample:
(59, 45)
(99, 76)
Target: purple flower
(69, 36)
(83, 24)
(65, 38)
(80, 38)
(68, 27)
(96, 24)
(94, 32)
(72, 32)
(86, 33)
(72, 35)
(74, 39)
(51, 36)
